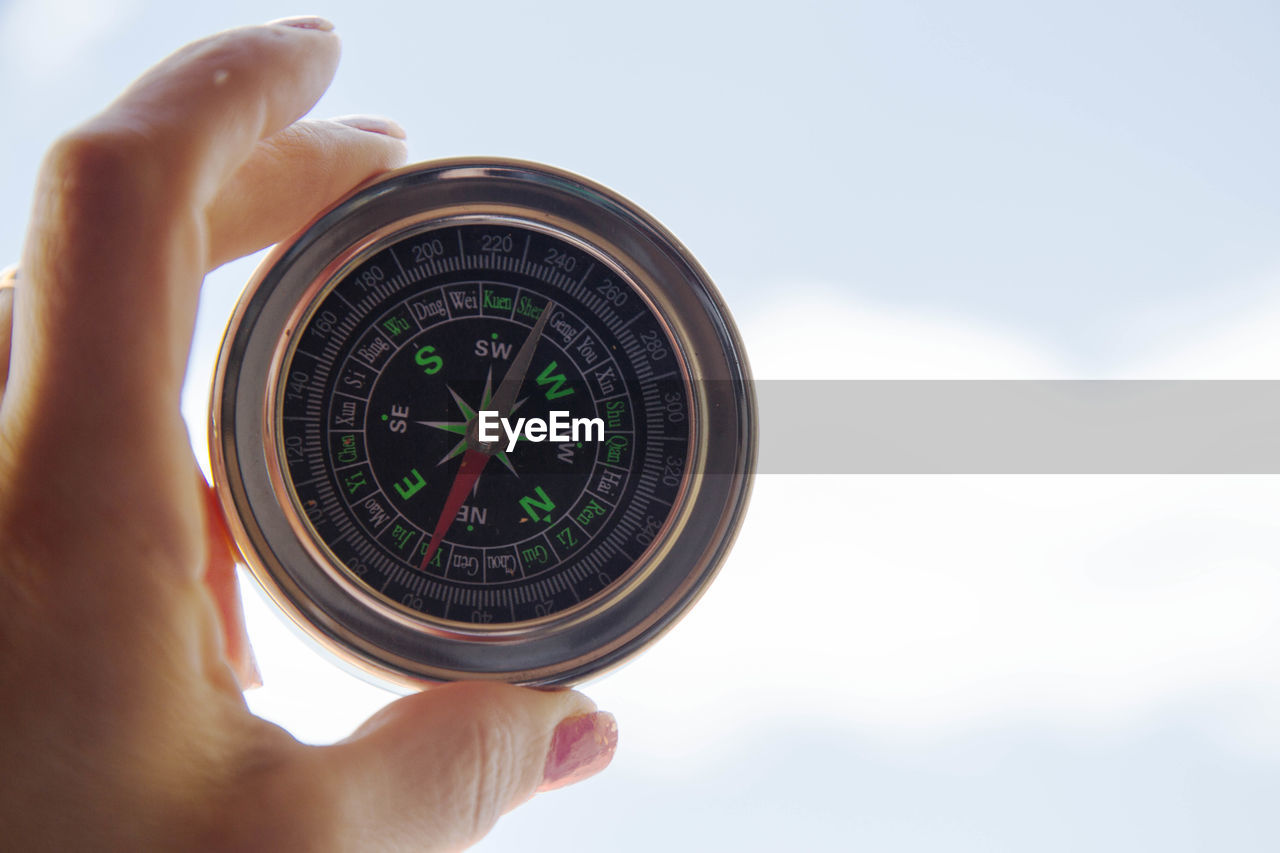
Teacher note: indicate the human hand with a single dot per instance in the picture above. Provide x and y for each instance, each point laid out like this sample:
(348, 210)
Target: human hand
(122, 725)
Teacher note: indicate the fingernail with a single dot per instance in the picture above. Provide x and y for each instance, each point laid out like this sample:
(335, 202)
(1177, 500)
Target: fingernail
(373, 124)
(304, 22)
(581, 746)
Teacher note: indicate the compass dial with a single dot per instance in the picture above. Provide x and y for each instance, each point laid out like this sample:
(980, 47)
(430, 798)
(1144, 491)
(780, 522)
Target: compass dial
(482, 419)
(384, 386)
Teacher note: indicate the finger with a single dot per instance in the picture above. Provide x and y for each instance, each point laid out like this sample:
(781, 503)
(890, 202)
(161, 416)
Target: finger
(118, 242)
(295, 173)
(434, 771)
(111, 271)
(220, 578)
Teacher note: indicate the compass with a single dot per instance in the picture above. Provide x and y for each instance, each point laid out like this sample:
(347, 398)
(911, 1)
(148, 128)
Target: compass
(482, 419)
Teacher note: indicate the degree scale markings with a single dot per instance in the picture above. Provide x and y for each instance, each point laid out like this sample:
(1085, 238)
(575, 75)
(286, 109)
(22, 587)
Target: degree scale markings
(382, 331)
(389, 318)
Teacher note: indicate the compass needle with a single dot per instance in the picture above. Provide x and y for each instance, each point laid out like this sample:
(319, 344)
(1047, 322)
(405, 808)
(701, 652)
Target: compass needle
(447, 426)
(473, 462)
(511, 382)
(451, 314)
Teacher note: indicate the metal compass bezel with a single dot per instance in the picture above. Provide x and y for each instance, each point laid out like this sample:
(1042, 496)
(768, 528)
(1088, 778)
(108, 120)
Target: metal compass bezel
(375, 638)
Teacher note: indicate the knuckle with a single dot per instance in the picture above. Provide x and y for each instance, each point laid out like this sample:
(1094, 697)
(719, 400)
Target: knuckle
(495, 765)
(95, 154)
(94, 168)
(314, 134)
(314, 141)
(490, 776)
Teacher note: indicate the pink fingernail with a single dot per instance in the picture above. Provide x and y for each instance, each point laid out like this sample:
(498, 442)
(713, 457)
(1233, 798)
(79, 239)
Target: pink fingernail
(581, 746)
(304, 22)
(374, 124)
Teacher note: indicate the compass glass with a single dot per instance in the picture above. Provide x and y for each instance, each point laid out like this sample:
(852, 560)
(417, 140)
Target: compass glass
(482, 422)
(482, 418)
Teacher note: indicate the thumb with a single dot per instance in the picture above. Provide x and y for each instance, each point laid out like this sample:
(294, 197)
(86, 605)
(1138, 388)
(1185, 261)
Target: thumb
(435, 770)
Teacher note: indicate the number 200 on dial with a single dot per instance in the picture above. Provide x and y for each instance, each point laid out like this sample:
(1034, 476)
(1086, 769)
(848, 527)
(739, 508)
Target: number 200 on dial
(482, 419)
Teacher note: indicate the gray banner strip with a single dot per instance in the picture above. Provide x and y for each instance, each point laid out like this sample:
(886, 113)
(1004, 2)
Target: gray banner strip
(1019, 427)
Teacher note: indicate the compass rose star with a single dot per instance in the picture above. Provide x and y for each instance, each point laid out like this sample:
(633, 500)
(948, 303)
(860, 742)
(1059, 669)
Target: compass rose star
(469, 415)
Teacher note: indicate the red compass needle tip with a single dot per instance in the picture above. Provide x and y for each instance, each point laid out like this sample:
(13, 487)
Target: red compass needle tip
(473, 462)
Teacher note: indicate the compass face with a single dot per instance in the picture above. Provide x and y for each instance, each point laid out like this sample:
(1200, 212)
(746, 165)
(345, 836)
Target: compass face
(482, 419)
(385, 383)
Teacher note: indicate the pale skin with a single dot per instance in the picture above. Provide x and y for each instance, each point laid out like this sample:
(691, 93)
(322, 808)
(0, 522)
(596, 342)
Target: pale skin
(122, 656)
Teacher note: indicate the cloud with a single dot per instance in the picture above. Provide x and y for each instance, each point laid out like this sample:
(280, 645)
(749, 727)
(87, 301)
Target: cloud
(1243, 345)
(925, 606)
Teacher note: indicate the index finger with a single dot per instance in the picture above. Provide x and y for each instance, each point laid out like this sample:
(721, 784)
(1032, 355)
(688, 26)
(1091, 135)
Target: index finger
(117, 244)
